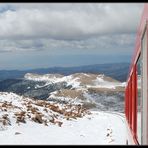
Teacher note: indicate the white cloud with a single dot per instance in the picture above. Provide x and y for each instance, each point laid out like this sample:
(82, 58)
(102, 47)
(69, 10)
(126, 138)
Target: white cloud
(115, 42)
(42, 26)
(86, 20)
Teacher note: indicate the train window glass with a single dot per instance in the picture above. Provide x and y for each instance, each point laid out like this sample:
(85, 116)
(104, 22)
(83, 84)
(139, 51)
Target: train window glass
(139, 100)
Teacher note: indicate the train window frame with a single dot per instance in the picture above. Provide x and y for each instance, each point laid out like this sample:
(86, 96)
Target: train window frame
(144, 80)
(139, 134)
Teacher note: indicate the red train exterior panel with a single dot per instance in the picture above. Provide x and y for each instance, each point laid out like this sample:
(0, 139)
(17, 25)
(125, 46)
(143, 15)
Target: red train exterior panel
(131, 90)
(134, 101)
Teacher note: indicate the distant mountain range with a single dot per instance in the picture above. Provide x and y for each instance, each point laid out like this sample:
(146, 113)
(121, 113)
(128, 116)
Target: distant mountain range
(92, 90)
(117, 71)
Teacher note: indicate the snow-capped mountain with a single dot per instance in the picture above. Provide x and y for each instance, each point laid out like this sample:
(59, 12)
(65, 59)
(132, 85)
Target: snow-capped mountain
(91, 90)
(77, 80)
(117, 71)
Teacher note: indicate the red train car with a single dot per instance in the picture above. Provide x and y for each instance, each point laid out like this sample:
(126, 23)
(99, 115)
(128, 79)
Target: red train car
(136, 91)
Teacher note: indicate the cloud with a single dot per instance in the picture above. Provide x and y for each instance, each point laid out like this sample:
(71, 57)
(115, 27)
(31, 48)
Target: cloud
(69, 22)
(82, 26)
(20, 45)
(115, 43)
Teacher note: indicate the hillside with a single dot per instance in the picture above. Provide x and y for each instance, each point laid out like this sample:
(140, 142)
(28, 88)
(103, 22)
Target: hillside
(92, 90)
(79, 109)
(25, 121)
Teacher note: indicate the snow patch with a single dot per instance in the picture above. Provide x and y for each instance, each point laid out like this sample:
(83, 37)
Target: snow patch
(52, 80)
(99, 128)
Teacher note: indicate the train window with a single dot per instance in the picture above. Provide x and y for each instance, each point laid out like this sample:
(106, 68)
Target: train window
(139, 100)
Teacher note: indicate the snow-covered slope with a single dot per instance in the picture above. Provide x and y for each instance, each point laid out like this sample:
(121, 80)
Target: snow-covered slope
(25, 121)
(53, 78)
(64, 117)
(87, 89)
(78, 80)
(18, 109)
(96, 129)
(45, 77)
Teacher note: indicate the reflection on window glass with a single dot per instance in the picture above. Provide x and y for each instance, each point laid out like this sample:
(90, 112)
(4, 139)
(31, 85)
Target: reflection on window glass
(139, 100)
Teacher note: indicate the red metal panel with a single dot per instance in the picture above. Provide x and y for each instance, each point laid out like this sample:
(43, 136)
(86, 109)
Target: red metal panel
(125, 106)
(133, 95)
(126, 103)
(130, 103)
(134, 102)
(136, 99)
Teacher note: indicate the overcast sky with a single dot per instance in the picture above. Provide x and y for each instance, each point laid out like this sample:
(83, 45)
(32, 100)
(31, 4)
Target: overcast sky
(66, 34)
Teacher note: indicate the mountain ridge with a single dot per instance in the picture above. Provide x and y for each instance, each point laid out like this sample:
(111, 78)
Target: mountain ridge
(117, 71)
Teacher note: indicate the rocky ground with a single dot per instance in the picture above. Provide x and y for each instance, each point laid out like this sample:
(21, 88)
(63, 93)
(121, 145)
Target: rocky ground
(22, 109)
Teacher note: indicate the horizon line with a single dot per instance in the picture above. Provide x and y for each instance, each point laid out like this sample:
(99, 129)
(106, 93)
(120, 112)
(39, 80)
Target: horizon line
(63, 66)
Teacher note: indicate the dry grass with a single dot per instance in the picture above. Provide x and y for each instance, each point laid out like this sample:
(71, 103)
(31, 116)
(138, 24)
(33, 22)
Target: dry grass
(32, 110)
(70, 93)
(99, 90)
(88, 79)
(85, 79)
(110, 79)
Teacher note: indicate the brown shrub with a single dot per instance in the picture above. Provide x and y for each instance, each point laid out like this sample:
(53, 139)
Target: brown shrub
(37, 118)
